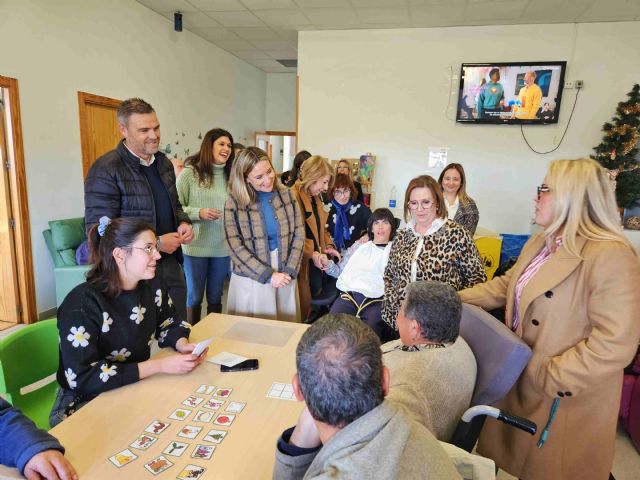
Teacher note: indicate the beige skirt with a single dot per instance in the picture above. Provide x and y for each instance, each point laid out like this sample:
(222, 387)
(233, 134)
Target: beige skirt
(252, 299)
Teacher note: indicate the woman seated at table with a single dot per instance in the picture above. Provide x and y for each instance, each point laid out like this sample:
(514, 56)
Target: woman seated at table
(430, 247)
(108, 323)
(348, 216)
(460, 207)
(360, 274)
(316, 177)
(264, 230)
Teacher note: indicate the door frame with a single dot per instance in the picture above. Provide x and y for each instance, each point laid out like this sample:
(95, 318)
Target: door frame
(20, 209)
(85, 99)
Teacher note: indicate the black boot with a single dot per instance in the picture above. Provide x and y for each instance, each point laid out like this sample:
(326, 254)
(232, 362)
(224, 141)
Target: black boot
(193, 314)
(214, 308)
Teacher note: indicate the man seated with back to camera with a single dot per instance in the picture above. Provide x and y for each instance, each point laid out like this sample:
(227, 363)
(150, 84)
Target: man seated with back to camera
(433, 370)
(348, 429)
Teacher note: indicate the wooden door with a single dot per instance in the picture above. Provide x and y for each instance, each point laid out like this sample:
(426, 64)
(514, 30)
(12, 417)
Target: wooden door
(98, 127)
(9, 299)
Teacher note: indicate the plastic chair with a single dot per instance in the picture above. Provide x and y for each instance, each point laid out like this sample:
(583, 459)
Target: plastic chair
(501, 357)
(26, 357)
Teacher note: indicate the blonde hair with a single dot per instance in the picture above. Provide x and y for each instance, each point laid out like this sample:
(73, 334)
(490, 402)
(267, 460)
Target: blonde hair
(313, 169)
(241, 190)
(583, 204)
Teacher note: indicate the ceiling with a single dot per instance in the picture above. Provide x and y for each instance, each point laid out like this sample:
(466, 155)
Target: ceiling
(261, 32)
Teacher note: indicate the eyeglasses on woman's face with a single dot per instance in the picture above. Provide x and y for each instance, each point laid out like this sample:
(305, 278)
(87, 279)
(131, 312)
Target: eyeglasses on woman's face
(342, 192)
(542, 189)
(425, 204)
(150, 250)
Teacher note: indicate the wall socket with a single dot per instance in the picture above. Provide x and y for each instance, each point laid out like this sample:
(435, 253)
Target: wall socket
(568, 84)
(573, 84)
(578, 84)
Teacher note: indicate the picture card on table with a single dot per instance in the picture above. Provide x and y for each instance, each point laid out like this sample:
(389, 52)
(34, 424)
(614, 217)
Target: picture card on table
(203, 416)
(189, 431)
(193, 401)
(235, 407)
(176, 449)
(224, 420)
(227, 359)
(143, 442)
(213, 404)
(158, 465)
(180, 414)
(282, 391)
(157, 427)
(120, 459)
(193, 472)
(215, 436)
(203, 452)
(206, 389)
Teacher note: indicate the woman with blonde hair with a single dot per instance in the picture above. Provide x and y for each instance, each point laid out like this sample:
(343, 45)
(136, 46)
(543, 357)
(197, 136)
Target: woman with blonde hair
(461, 208)
(430, 247)
(264, 231)
(573, 298)
(316, 177)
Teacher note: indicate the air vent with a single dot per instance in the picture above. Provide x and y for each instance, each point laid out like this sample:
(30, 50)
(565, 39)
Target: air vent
(288, 63)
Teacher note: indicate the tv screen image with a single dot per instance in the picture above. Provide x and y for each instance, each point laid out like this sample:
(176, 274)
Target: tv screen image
(511, 93)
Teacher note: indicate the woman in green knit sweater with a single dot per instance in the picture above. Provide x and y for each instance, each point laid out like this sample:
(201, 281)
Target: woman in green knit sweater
(202, 188)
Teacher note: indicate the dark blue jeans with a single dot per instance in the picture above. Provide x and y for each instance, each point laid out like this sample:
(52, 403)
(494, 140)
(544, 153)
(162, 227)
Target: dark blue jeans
(209, 271)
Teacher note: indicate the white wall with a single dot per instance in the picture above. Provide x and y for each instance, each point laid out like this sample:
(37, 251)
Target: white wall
(387, 92)
(281, 102)
(118, 49)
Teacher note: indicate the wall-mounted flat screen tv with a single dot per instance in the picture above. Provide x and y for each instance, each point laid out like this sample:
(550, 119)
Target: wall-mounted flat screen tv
(517, 92)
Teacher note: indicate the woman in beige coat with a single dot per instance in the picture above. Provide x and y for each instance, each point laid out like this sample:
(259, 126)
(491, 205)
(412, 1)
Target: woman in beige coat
(573, 298)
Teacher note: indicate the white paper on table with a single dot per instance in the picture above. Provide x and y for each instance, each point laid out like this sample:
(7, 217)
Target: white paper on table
(200, 347)
(227, 359)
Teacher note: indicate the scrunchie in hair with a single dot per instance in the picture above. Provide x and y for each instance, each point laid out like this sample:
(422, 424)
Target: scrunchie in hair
(102, 226)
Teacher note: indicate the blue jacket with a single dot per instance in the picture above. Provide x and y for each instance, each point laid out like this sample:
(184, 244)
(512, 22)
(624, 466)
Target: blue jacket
(21, 439)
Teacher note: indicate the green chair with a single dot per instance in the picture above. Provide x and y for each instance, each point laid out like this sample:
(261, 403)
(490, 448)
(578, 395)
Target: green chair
(63, 238)
(27, 356)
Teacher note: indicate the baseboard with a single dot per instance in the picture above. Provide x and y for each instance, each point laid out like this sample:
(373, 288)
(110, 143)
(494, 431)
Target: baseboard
(47, 313)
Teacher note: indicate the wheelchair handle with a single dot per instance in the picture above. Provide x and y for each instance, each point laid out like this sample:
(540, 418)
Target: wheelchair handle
(506, 417)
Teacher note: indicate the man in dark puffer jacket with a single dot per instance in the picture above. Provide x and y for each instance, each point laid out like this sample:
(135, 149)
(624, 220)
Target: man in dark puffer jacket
(136, 180)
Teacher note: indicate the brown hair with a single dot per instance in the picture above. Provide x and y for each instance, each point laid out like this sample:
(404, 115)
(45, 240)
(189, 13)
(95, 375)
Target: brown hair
(202, 163)
(313, 169)
(343, 180)
(425, 181)
(130, 107)
(462, 191)
(119, 233)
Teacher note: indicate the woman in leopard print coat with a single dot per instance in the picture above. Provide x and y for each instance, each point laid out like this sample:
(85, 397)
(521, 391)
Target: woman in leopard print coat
(430, 247)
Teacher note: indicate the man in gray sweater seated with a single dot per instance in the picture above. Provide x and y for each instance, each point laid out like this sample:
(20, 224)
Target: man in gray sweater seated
(433, 370)
(347, 429)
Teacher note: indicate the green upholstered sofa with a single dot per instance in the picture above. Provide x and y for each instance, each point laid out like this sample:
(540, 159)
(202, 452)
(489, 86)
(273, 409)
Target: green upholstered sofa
(63, 238)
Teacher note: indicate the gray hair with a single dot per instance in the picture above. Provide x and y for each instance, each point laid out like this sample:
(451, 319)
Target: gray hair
(436, 307)
(339, 364)
(132, 106)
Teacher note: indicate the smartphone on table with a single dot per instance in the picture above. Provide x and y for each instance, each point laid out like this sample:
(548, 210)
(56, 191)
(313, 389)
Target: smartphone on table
(250, 364)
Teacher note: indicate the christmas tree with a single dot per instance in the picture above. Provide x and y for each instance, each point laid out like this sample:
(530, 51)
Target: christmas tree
(618, 150)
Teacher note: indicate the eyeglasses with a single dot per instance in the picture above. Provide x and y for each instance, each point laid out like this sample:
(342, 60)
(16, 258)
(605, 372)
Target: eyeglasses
(425, 204)
(150, 250)
(543, 189)
(342, 193)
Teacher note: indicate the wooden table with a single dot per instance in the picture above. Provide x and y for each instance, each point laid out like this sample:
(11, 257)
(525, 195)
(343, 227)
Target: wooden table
(112, 421)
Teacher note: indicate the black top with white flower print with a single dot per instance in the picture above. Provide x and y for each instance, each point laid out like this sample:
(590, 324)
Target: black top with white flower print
(358, 216)
(102, 339)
